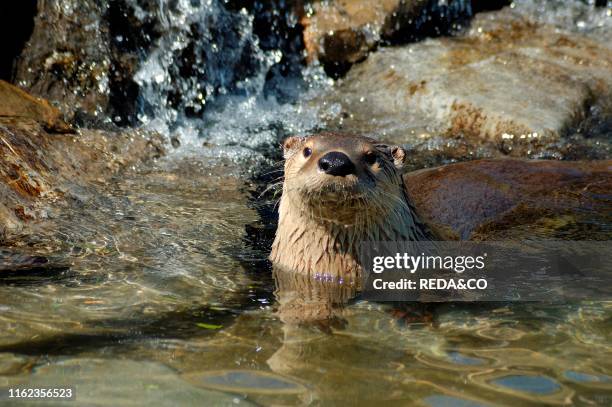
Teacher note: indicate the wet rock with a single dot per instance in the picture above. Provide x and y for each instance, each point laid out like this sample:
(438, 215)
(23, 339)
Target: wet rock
(16, 263)
(119, 382)
(17, 104)
(39, 170)
(82, 55)
(520, 199)
(67, 57)
(340, 33)
(508, 86)
(129, 61)
(335, 32)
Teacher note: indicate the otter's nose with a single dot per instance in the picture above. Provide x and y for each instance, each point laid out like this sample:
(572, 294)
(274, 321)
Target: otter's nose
(336, 163)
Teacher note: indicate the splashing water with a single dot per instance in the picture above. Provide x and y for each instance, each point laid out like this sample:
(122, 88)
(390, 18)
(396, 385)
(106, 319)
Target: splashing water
(205, 79)
(579, 16)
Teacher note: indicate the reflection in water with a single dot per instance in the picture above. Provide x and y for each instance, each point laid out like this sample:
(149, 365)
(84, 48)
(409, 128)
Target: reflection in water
(305, 302)
(304, 299)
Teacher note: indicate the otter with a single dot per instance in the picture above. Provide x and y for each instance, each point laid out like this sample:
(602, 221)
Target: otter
(339, 191)
(342, 189)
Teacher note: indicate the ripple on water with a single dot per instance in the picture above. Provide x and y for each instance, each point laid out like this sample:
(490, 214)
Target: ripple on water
(245, 381)
(462, 359)
(108, 276)
(523, 384)
(501, 333)
(453, 360)
(439, 400)
(590, 380)
(528, 384)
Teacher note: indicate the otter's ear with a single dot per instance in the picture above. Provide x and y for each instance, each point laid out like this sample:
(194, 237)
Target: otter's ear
(399, 156)
(291, 145)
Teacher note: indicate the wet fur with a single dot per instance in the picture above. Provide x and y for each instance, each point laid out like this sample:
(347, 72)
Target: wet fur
(323, 220)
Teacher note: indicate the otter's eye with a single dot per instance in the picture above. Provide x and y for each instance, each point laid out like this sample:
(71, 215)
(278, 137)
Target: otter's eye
(307, 152)
(370, 158)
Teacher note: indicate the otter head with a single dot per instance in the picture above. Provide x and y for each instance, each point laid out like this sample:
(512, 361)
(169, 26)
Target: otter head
(342, 179)
(339, 191)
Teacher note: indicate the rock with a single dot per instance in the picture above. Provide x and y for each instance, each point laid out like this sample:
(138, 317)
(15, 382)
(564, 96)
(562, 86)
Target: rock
(110, 382)
(67, 57)
(82, 55)
(17, 264)
(39, 169)
(341, 32)
(519, 199)
(16, 103)
(336, 32)
(510, 85)
(127, 61)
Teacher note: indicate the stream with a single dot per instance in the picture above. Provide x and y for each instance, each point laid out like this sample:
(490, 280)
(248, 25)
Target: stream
(156, 288)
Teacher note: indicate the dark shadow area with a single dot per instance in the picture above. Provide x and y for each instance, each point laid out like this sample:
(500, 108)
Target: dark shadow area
(488, 5)
(130, 40)
(257, 239)
(176, 325)
(18, 269)
(16, 26)
(435, 20)
(35, 276)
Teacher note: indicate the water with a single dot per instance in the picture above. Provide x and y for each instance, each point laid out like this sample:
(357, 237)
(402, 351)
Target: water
(209, 79)
(155, 288)
(579, 16)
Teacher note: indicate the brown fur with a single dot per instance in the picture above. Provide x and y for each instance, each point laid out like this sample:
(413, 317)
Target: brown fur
(323, 219)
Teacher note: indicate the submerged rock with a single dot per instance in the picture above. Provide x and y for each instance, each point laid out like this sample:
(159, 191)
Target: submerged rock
(508, 86)
(40, 170)
(245, 381)
(517, 199)
(119, 382)
(340, 33)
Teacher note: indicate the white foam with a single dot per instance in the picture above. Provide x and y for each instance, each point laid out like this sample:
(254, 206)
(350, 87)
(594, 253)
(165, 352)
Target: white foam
(247, 120)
